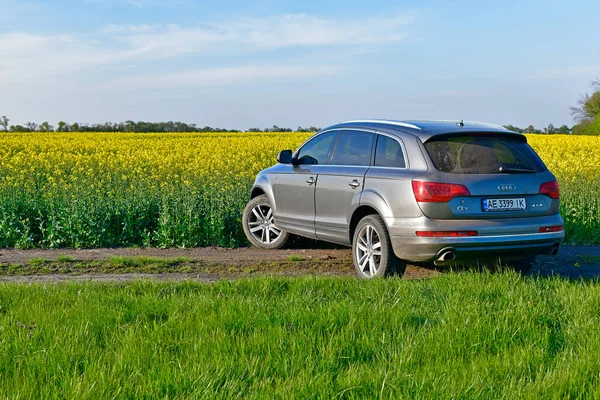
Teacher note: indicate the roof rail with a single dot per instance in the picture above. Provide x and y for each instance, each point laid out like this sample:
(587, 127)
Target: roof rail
(382, 121)
(485, 124)
(471, 123)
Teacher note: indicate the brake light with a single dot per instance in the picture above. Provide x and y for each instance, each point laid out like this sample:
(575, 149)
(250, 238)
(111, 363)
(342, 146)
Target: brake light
(436, 192)
(555, 228)
(550, 189)
(446, 233)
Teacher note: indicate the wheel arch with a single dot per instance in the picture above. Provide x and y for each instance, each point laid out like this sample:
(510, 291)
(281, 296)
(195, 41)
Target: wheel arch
(263, 185)
(256, 191)
(370, 203)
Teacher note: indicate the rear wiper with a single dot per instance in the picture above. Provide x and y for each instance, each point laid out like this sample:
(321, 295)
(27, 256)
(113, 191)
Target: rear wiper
(509, 170)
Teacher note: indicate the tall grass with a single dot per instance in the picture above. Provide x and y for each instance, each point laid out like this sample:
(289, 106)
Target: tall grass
(459, 336)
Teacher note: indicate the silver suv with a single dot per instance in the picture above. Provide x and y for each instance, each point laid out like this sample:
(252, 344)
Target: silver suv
(420, 191)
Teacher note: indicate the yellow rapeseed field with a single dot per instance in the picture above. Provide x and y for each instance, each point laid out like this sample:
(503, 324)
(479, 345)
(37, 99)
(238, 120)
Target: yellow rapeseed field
(106, 189)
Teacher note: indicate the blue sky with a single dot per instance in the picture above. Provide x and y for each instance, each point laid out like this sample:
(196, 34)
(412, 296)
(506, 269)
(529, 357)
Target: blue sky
(242, 64)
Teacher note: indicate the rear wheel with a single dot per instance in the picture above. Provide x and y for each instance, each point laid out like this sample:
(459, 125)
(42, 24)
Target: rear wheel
(259, 227)
(372, 251)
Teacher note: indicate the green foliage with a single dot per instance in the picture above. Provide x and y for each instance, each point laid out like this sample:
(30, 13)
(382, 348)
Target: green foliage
(133, 126)
(588, 107)
(588, 127)
(142, 261)
(4, 123)
(146, 217)
(64, 258)
(111, 210)
(37, 261)
(458, 336)
(580, 208)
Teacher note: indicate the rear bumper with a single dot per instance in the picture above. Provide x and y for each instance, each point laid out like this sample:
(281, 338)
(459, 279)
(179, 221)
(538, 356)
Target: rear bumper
(508, 237)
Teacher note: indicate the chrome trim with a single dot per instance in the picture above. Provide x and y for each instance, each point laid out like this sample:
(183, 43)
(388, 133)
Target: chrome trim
(470, 123)
(374, 131)
(382, 121)
(325, 131)
(507, 187)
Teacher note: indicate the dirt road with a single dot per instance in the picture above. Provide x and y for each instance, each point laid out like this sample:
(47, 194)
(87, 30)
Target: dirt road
(216, 263)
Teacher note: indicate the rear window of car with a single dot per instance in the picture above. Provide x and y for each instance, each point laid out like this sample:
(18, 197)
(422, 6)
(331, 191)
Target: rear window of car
(483, 155)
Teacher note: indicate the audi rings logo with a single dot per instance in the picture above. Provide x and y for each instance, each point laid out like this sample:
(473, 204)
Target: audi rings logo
(507, 188)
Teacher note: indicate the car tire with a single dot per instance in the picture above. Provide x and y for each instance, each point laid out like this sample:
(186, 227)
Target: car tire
(372, 251)
(259, 228)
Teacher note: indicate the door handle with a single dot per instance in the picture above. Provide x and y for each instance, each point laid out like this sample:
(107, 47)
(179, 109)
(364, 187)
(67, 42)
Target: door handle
(310, 180)
(354, 184)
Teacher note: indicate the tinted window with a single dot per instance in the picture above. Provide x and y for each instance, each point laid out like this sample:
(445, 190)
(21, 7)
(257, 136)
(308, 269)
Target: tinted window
(354, 148)
(318, 150)
(389, 153)
(482, 155)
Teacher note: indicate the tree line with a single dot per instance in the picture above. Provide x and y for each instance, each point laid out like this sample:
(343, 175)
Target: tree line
(132, 126)
(550, 129)
(175, 126)
(586, 114)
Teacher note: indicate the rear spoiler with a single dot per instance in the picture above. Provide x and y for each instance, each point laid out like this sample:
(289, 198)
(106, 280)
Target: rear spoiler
(504, 134)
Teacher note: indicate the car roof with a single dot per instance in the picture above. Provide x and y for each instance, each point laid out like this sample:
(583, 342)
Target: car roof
(422, 129)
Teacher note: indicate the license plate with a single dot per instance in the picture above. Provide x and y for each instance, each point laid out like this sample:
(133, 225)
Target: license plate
(517, 204)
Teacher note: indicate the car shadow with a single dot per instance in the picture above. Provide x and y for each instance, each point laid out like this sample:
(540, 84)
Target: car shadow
(580, 263)
(572, 262)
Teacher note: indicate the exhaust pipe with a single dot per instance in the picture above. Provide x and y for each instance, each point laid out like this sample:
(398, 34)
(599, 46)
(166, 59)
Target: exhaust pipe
(552, 251)
(447, 256)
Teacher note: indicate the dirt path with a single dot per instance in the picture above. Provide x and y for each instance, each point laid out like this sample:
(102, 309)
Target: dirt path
(213, 263)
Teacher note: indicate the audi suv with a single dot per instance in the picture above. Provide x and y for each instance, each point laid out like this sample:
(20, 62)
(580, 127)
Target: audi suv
(445, 192)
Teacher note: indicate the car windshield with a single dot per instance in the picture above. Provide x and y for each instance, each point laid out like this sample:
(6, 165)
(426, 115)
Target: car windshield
(472, 154)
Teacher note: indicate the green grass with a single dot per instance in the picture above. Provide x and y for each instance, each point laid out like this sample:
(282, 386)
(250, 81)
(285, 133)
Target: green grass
(115, 264)
(64, 258)
(470, 335)
(37, 261)
(294, 257)
(143, 261)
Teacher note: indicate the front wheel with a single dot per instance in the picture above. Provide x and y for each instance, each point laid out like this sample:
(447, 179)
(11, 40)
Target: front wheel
(259, 227)
(372, 251)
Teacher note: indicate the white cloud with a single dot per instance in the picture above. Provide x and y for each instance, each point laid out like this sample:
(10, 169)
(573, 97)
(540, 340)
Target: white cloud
(224, 76)
(260, 34)
(27, 57)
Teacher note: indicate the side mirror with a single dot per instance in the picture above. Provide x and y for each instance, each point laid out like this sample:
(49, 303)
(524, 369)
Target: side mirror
(285, 157)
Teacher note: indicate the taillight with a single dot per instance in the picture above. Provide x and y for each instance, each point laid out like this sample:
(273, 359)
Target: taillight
(550, 189)
(436, 192)
(446, 233)
(555, 228)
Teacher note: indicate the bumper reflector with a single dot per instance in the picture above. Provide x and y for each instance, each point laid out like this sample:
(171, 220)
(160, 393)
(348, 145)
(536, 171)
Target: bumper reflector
(556, 228)
(446, 233)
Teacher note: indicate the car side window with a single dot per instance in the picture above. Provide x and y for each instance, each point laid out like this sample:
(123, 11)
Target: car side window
(318, 150)
(353, 148)
(389, 153)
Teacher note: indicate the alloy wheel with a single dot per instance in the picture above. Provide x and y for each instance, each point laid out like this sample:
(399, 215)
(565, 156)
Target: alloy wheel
(261, 226)
(368, 251)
